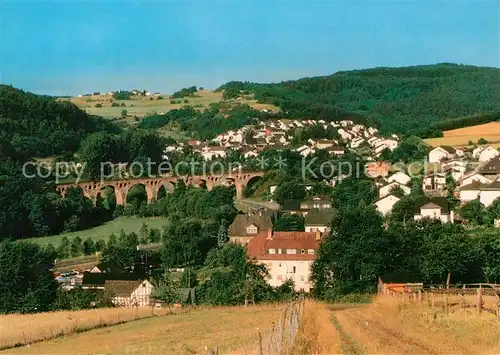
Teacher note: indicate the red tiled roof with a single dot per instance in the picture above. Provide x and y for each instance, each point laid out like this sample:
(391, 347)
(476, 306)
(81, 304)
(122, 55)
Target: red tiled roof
(257, 247)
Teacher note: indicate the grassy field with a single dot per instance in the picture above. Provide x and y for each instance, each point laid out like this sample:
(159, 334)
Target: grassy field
(232, 329)
(460, 137)
(127, 224)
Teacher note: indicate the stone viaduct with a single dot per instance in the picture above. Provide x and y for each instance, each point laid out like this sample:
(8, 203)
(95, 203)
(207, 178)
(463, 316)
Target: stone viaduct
(153, 185)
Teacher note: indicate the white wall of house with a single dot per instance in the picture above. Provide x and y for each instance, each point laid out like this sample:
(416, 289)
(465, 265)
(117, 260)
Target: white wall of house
(385, 205)
(438, 154)
(140, 297)
(487, 154)
(322, 229)
(468, 195)
(400, 177)
(434, 213)
(282, 270)
(486, 197)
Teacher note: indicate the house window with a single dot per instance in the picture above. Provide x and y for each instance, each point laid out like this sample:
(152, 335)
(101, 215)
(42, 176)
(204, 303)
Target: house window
(294, 269)
(251, 230)
(279, 251)
(302, 251)
(302, 278)
(272, 251)
(310, 251)
(291, 251)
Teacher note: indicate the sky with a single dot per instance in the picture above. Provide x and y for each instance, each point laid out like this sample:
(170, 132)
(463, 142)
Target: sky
(73, 47)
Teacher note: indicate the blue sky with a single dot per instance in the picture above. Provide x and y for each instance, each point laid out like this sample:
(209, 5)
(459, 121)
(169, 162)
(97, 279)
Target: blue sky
(71, 47)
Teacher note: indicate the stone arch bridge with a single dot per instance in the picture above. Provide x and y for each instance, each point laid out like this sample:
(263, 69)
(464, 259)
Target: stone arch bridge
(92, 189)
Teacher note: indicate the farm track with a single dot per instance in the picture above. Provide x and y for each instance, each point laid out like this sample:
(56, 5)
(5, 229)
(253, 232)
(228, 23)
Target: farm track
(362, 334)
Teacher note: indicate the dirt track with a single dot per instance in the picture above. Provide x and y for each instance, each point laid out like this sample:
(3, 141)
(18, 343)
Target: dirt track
(362, 332)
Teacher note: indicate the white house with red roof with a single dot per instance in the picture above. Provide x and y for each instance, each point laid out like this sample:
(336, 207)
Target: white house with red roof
(287, 256)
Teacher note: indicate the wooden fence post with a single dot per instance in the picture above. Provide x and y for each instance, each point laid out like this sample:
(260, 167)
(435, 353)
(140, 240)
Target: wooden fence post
(260, 343)
(479, 300)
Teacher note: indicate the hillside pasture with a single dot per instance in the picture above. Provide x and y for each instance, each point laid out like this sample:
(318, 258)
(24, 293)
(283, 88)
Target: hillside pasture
(143, 106)
(127, 224)
(460, 137)
(231, 329)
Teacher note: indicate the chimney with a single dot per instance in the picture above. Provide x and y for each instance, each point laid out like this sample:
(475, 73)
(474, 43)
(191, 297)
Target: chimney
(318, 235)
(269, 234)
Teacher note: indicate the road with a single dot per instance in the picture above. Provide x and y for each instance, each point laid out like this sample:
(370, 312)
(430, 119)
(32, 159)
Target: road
(246, 204)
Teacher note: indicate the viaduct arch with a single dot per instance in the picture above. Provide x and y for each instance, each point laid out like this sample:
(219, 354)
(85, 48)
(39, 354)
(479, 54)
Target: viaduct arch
(121, 187)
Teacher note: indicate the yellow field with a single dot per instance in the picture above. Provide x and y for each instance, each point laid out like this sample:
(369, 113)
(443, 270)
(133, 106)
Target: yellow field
(460, 137)
(392, 326)
(232, 329)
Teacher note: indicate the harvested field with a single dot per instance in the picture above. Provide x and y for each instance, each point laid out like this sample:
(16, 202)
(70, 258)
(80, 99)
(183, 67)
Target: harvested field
(460, 137)
(22, 329)
(233, 329)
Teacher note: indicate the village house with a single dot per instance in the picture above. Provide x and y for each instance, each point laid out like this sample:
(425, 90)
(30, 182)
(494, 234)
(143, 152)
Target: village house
(491, 169)
(400, 178)
(388, 189)
(246, 226)
(324, 143)
(129, 293)
(434, 208)
(487, 193)
(377, 169)
(434, 181)
(385, 204)
(472, 177)
(318, 220)
(316, 202)
(484, 154)
(444, 152)
(209, 153)
(455, 167)
(335, 150)
(287, 256)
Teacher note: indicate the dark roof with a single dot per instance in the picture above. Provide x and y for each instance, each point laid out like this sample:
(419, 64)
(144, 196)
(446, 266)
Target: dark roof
(319, 217)
(242, 221)
(437, 200)
(291, 205)
(448, 148)
(492, 167)
(122, 288)
(110, 266)
(401, 278)
(99, 279)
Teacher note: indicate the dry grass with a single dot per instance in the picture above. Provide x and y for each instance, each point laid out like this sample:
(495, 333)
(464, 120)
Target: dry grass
(433, 329)
(461, 136)
(317, 334)
(233, 329)
(21, 329)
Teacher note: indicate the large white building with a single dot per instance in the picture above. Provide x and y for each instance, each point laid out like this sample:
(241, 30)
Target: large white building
(287, 256)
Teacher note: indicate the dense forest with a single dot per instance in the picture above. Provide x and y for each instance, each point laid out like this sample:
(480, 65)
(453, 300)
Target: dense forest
(33, 125)
(404, 100)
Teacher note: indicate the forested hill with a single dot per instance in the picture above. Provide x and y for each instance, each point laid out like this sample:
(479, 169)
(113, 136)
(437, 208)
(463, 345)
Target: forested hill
(34, 125)
(399, 99)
